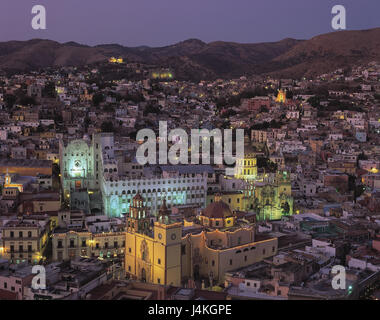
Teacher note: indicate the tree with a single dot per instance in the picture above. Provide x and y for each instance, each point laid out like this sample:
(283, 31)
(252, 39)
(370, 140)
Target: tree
(107, 126)
(27, 101)
(49, 90)
(362, 156)
(314, 101)
(86, 122)
(10, 100)
(289, 94)
(97, 98)
(152, 109)
(265, 163)
(285, 208)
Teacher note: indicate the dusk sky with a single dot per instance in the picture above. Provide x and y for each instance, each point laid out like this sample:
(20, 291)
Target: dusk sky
(163, 22)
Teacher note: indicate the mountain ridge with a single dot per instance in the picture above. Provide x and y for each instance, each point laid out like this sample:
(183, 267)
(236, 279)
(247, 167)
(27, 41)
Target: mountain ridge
(193, 59)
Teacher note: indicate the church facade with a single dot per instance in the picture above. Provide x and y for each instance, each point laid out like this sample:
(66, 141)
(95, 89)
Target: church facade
(163, 253)
(92, 182)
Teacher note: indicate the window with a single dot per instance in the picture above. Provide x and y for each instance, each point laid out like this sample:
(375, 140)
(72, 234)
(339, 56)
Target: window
(12, 234)
(230, 262)
(72, 245)
(159, 261)
(83, 242)
(20, 234)
(213, 263)
(183, 249)
(29, 234)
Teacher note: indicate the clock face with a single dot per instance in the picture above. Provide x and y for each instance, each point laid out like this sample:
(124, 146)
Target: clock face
(173, 236)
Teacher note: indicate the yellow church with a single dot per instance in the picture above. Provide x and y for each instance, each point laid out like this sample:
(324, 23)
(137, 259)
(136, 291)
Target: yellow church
(163, 252)
(281, 96)
(153, 249)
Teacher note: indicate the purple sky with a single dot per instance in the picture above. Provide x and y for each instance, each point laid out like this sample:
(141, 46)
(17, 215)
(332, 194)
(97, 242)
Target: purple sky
(163, 22)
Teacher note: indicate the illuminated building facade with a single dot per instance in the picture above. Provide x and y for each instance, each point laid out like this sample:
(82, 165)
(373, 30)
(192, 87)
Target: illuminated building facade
(153, 253)
(162, 75)
(89, 168)
(281, 96)
(78, 235)
(246, 168)
(164, 254)
(115, 60)
(273, 197)
(9, 184)
(24, 240)
(73, 244)
(269, 195)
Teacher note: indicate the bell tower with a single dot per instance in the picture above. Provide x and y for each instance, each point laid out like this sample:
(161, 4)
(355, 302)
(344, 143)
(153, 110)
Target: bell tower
(7, 178)
(164, 213)
(138, 220)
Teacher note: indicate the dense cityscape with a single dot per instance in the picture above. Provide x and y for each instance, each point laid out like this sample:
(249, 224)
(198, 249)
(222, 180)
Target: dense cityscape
(75, 200)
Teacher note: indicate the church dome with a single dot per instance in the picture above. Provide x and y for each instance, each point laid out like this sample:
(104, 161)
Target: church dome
(217, 210)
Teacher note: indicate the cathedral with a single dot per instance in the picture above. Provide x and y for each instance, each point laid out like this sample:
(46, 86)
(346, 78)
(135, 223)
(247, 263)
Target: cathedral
(161, 251)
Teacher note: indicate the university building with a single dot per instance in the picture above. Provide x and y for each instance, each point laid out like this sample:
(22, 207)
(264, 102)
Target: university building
(94, 181)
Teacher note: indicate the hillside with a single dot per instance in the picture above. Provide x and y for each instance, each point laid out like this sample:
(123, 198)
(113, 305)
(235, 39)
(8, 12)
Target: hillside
(194, 60)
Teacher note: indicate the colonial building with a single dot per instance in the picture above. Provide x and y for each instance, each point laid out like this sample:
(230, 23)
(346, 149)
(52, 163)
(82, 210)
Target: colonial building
(91, 180)
(24, 240)
(246, 168)
(91, 237)
(171, 254)
(273, 197)
(153, 253)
